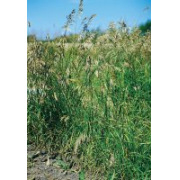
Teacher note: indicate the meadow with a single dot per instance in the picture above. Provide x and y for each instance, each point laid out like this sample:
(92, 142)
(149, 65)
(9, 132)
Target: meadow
(92, 104)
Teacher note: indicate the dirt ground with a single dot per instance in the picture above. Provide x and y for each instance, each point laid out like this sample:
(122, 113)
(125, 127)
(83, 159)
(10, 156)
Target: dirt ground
(41, 166)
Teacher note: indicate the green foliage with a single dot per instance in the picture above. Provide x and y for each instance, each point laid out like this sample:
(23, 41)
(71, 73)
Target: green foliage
(81, 176)
(31, 38)
(69, 38)
(145, 27)
(93, 102)
(62, 164)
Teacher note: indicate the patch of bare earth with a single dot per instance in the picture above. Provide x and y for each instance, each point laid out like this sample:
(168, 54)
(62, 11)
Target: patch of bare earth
(41, 166)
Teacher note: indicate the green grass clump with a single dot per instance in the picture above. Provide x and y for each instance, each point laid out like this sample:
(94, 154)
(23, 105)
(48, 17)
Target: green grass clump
(91, 101)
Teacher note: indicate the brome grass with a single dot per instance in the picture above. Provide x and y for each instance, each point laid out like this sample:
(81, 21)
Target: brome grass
(93, 103)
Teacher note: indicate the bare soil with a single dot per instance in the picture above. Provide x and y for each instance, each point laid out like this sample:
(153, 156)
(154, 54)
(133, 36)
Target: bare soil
(41, 166)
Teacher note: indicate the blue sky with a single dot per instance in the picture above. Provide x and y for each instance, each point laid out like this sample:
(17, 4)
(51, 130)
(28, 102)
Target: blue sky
(48, 16)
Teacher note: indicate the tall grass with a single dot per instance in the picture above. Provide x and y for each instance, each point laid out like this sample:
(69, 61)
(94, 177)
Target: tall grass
(93, 104)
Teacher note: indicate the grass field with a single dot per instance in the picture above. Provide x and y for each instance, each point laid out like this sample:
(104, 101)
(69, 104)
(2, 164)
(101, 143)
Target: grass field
(93, 104)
